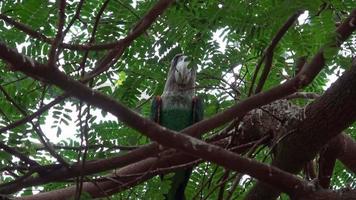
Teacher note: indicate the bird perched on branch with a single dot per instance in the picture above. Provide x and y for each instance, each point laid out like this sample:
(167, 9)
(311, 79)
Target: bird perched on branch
(176, 109)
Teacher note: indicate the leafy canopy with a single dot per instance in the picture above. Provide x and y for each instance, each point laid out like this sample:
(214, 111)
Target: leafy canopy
(224, 38)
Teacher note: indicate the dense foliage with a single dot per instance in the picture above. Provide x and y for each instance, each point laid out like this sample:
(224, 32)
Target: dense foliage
(225, 39)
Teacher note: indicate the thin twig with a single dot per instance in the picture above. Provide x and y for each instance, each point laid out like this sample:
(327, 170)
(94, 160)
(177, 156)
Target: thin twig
(239, 175)
(37, 128)
(38, 35)
(39, 111)
(52, 57)
(84, 138)
(140, 28)
(268, 53)
(18, 154)
(94, 146)
(75, 17)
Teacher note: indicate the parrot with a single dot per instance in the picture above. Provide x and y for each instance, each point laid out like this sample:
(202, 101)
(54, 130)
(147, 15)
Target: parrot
(176, 109)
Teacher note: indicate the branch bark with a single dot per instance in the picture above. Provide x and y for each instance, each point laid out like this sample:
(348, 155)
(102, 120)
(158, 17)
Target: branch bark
(325, 118)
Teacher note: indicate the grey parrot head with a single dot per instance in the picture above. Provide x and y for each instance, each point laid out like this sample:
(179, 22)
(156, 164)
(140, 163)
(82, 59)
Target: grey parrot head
(180, 78)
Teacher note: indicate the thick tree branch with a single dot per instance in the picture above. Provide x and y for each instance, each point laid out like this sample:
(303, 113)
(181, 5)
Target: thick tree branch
(303, 95)
(132, 174)
(325, 118)
(327, 160)
(347, 149)
(91, 167)
(331, 195)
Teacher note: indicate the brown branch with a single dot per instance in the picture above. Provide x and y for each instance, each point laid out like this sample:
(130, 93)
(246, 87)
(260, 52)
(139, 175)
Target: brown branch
(269, 51)
(52, 57)
(92, 37)
(91, 167)
(268, 54)
(140, 28)
(83, 138)
(303, 95)
(97, 20)
(323, 119)
(94, 146)
(132, 174)
(18, 154)
(347, 152)
(327, 160)
(342, 147)
(26, 29)
(29, 118)
(38, 35)
(342, 194)
(84, 130)
(257, 69)
(300, 63)
(36, 128)
(75, 17)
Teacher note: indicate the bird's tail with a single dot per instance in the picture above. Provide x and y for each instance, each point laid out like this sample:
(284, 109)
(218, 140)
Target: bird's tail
(179, 182)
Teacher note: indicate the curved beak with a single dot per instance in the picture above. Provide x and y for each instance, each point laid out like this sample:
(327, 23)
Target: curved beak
(182, 73)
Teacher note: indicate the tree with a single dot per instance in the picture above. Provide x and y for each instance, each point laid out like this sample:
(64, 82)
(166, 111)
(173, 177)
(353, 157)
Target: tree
(269, 113)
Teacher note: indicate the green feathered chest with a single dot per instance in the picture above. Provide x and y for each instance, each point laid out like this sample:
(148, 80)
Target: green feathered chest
(176, 112)
(176, 119)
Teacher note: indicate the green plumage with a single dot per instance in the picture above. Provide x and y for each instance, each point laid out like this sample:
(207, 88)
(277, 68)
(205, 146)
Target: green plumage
(177, 109)
(177, 118)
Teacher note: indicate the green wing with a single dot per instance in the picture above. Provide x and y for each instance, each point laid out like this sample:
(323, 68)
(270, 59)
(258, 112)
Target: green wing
(156, 109)
(198, 109)
(181, 177)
